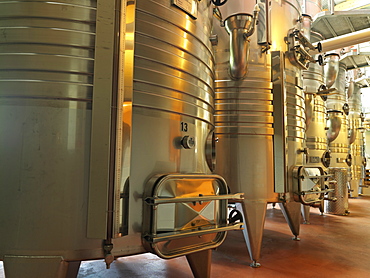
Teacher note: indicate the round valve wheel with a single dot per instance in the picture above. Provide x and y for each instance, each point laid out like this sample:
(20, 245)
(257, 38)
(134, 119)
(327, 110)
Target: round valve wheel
(218, 2)
(235, 216)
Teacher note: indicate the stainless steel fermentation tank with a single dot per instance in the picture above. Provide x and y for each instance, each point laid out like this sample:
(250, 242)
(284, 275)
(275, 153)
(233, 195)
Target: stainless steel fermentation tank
(356, 140)
(107, 142)
(315, 111)
(337, 134)
(260, 117)
(316, 85)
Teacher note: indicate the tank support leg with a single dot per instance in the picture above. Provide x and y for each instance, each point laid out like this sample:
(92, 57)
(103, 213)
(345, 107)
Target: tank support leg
(292, 214)
(254, 221)
(16, 266)
(305, 214)
(200, 263)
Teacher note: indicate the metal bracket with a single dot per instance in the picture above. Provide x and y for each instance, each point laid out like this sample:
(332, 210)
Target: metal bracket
(299, 46)
(195, 232)
(157, 201)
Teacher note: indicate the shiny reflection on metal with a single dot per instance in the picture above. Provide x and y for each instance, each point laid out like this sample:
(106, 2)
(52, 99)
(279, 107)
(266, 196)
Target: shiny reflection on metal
(279, 92)
(176, 211)
(173, 99)
(352, 135)
(62, 62)
(162, 200)
(47, 52)
(211, 150)
(198, 232)
(244, 126)
(186, 88)
(357, 142)
(240, 27)
(334, 124)
(263, 26)
(331, 68)
(338, 99)
(351, 88)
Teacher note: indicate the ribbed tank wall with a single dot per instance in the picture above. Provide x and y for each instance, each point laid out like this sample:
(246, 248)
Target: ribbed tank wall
(284, 18)
(173, 60)
(339, 147)
(46, 81)
(356, 140)
(315, 109)
(173, 94)
(337, 99)
(244, 122)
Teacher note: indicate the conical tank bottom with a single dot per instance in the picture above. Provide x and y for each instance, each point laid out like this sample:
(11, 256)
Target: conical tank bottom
(292, 214)
(254, 219)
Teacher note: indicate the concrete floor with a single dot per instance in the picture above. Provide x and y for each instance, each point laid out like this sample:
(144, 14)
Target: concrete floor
(330, 247)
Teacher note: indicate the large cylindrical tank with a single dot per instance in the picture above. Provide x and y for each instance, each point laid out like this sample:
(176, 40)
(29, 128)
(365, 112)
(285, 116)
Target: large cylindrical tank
(246, 111)
(337, 134)
(47, 74)
(286, 17)
(289, 50)
(244, 127)
(315, 105)
(316, 142)
(61, 62)
(315, 117)
(355, 120)
(172, 123)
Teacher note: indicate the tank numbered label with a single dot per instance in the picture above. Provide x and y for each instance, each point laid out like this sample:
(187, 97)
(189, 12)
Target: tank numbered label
(184, 126)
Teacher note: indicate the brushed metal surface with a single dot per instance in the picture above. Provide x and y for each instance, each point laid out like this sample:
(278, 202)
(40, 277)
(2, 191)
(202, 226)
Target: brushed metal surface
(338, 98)
(331, 68)
(246, 120)
(46, 80)
(47, 49)
(355, 126)
(244, 127)
(284, 18)
(315, 110)
(172, 98)
(338, 133)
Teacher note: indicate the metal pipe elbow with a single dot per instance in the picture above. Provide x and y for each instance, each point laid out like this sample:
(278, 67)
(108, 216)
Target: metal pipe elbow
(240, 27)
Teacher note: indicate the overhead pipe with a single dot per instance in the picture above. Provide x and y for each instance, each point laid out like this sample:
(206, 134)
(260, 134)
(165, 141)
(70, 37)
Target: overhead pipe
(240, 27)
(344, 40)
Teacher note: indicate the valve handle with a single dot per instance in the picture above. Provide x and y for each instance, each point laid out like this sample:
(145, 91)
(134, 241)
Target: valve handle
(320, 60)
(319, 47)
(218, 2)
(235, 216)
